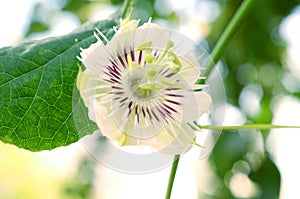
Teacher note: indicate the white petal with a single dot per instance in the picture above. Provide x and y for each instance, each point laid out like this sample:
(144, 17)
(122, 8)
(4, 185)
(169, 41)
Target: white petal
(106, 122)
(194, 105)
(119, 43)
(190, 70)
(171, 140)
(95, 57)
(150, 32)
(92, 87)
(82, 84)
(180, 144)
(161, 139)
(127, 140)
(82, 79)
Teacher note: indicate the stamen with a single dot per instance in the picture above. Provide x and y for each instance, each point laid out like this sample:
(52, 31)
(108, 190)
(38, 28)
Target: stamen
(149, 58)
(152, 73)
(169, 44)
(151, 86)
(144, 46)
(176, 85)
(176, 63)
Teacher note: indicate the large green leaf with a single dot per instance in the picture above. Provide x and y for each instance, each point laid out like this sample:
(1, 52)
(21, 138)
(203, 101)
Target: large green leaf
(40, 108)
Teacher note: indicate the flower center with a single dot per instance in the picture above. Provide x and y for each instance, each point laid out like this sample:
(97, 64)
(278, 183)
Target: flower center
(138, 91)
(144, 86)
(147, 79)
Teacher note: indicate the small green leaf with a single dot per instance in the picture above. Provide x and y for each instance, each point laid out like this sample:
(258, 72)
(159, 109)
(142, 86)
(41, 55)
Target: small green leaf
(40, 106)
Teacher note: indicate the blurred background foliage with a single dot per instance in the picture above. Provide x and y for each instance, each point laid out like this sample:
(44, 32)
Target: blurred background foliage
(253, 62)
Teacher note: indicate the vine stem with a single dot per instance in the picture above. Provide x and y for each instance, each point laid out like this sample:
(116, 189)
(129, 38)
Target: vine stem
(246, 126)
(128, 5)
(227, 34)
(215, 55)
(172, 176)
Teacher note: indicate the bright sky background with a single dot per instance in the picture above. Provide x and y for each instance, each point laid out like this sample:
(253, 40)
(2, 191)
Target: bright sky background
(284, 143)
(12, 24)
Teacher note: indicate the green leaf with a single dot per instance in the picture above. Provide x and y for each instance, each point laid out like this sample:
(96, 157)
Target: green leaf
(37, 27)
(40, 108)
(268, 177)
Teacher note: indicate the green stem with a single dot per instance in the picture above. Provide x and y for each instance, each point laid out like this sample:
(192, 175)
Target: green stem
(246, 126)
(227, 34)
(172, 176)
(128, 5)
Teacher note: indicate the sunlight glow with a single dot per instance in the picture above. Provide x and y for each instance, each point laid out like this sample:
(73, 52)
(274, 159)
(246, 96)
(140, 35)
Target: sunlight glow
(284, 143)
(290, 31)
(242, 187)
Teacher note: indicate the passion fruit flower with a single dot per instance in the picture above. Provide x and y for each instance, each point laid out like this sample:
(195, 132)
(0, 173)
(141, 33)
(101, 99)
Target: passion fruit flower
(139, 88)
